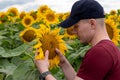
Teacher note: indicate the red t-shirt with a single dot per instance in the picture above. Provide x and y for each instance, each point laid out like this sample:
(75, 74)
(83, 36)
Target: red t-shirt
(101, 62)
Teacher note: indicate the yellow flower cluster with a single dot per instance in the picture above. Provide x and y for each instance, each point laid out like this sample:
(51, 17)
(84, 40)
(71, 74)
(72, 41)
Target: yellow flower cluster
(113, 26)
(41, 26)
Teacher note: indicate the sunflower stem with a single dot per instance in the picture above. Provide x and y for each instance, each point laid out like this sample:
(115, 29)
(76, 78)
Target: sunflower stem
(29, 56)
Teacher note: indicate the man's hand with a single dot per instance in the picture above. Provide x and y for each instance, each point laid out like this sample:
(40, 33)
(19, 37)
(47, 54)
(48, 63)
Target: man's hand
(63, 59)
(43, 64)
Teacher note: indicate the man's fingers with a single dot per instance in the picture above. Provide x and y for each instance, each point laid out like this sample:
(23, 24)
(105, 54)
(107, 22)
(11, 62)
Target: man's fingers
(58, 52)
(36, 53)
(46, 55)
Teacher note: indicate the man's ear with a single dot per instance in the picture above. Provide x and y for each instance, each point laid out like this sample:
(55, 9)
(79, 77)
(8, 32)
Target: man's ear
(92, 23)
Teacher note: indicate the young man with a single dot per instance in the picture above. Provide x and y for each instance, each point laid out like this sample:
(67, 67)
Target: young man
(102, 61)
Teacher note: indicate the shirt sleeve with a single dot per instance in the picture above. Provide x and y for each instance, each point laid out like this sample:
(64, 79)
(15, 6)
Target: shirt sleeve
(95, 65)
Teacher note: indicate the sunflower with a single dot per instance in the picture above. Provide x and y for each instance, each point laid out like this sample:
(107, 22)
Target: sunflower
(3, 17)
(34, 14)
(13, 12)
(39, 17)
(66, 15)
(22, 14)
(27, 21)
(60, 16)
(51, 18)
(29, 34)
(119, 18)
(113, 17)
(113, 31)
(112, 12)
(68, 33)
(49, 40)
(43, 9)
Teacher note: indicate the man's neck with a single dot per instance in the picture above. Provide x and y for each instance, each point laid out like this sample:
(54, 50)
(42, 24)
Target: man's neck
(98, 37)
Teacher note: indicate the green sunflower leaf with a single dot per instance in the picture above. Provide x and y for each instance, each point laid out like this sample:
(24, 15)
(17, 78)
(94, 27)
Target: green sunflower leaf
(14, 52)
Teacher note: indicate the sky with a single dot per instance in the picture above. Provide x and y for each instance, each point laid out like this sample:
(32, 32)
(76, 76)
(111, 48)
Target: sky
(56, 5)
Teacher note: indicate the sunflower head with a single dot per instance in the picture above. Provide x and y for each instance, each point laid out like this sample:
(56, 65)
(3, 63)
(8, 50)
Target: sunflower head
(119, 18)
(33, 14)
(22, 14)
(43, 9)
(49, 40)
(109, 30)
(40, 17)
(69, 30)
(13, 12)
(112, 31)
(60, 16)
(51, 46)
(66, 15)
(51, 18)
(69, 33)
(28, 35)
(27, 21)
(3, 17)
(112, 12)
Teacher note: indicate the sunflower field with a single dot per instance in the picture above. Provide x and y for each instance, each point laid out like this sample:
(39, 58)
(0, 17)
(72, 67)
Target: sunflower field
(21, 33)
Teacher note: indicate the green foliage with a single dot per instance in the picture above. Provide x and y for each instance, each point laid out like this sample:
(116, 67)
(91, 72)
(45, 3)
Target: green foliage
(17, 58)
(1, 76)
(6, 67)
(29, 72)
(13, 52)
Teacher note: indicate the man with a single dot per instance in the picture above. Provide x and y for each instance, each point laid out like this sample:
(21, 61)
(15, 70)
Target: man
(102, 61)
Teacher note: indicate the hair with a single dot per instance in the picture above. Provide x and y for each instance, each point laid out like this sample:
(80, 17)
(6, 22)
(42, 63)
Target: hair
(101, 21)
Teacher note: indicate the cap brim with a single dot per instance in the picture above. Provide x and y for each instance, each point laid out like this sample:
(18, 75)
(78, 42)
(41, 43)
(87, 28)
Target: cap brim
(67, 23)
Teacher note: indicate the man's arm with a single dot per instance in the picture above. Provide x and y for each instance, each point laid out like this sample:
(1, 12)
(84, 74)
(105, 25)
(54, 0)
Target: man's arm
(50, 77)
(67, 69)
(78, 78)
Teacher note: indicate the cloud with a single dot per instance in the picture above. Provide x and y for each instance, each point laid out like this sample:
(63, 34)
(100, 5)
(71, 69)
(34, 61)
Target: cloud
(110, 4)
(56, 5)
(5, 4)
(21, 5)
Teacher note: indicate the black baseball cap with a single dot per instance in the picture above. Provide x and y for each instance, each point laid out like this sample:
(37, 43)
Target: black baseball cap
(83, 9)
